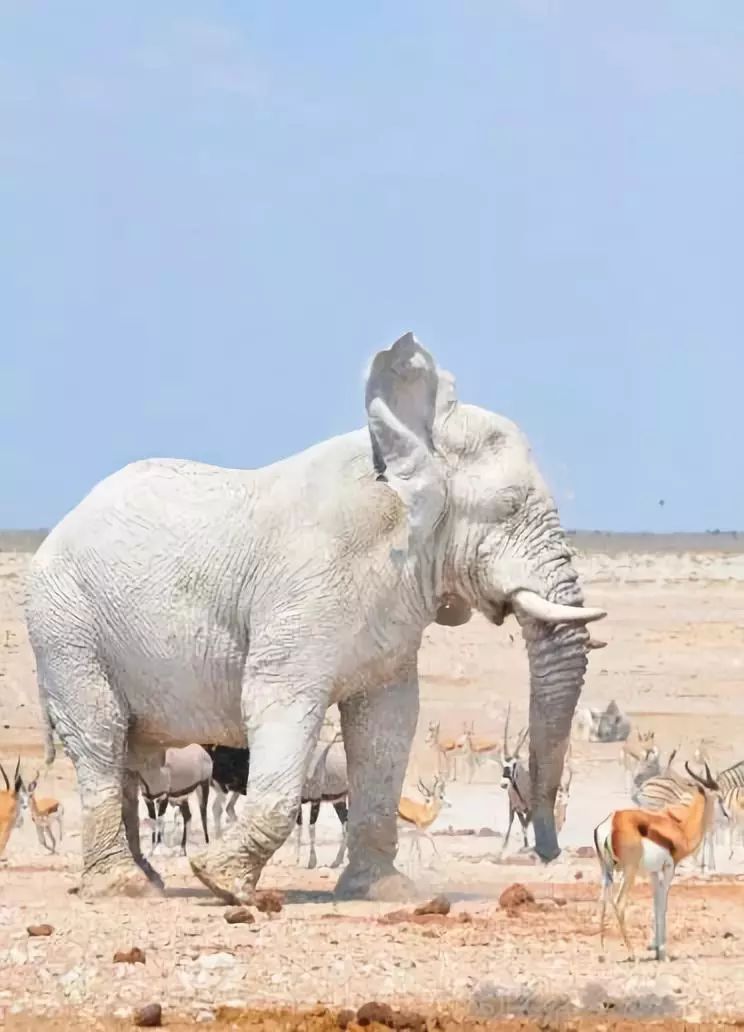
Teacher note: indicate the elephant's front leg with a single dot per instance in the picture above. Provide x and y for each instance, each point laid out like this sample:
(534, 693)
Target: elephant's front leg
(282, 726)
(378, 728)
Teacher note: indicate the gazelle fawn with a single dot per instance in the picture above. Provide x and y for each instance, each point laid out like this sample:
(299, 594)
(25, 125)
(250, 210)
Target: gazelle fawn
(654, 842)
(10, 804)
(416, 818)
(45, 812)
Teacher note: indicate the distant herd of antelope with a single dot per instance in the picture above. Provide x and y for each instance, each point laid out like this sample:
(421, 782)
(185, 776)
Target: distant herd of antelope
(674, 816)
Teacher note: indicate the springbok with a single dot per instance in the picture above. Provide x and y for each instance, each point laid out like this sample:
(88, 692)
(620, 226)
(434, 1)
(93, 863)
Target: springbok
(445, 750)
(45, 811)
(563, 793)
(561, 807)
(475, 751)
(629, 841)
(669, 788)
(10, 804)
(416, 818)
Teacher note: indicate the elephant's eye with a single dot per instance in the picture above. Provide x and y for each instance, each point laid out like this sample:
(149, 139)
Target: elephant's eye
(505, 503)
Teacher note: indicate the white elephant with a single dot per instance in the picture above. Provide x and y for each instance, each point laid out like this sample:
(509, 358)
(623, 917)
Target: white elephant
(180, 602)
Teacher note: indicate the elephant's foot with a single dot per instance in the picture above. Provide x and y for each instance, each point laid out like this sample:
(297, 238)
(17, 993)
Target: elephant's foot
(126, 879)
(530, 855)
(384, 886)
(227, 876)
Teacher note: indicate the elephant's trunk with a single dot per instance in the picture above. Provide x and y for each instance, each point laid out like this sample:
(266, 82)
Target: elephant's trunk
(557, 655)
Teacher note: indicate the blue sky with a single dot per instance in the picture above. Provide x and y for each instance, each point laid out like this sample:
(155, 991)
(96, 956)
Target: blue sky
(212, 214)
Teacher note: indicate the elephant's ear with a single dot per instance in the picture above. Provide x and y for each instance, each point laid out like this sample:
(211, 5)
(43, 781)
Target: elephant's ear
(446, 394)
(401, 399)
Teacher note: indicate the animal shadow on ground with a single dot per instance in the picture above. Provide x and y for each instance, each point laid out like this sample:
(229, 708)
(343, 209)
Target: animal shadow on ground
(493, 1001)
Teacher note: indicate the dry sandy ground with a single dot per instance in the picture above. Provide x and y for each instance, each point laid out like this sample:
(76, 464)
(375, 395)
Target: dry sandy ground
(676, 634)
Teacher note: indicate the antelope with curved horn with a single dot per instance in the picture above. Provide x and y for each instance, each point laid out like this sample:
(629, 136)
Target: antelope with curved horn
(629, 841)
(515, 778)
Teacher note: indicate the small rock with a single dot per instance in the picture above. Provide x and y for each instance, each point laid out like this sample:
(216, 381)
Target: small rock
(728, 935)
(409, 1019)
(371, 1012)
(38, 930)
(586, 852)
(204, 1016)
(269, 902)
(239, 915)
(517, 895)
(345, 1017)
(133, 956)
(487, 833)
(578, 876)
(150, 1016)
(438, 905)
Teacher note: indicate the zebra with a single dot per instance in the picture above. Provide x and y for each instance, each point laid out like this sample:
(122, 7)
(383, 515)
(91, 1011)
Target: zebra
(184, 771)
(230, 768)
(649, 766)
(732, 787)
(731, 777)
(733, 802)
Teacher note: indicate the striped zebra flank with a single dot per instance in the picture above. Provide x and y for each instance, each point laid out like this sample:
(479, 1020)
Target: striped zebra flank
(732, 777)
(733, 804)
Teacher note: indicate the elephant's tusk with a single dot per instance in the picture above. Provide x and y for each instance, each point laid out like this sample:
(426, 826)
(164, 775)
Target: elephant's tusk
(529, 603)
(595, 643)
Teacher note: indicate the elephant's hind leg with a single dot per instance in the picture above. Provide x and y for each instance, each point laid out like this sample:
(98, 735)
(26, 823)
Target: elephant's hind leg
(93, 723)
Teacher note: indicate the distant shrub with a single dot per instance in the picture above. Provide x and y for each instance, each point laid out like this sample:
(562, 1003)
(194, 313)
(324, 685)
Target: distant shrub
(21, 540)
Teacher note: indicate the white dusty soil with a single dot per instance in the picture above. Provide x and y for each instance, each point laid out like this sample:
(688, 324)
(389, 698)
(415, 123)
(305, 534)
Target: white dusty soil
(675, 662)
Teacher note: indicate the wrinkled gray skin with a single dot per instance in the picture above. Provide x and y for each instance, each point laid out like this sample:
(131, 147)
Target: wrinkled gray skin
(182, 602)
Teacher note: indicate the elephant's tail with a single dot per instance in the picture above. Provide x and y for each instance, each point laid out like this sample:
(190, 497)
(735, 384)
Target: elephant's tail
(50, 751)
